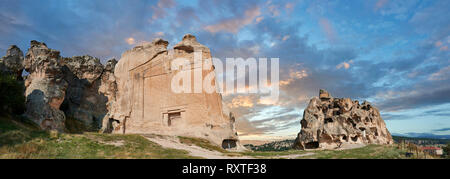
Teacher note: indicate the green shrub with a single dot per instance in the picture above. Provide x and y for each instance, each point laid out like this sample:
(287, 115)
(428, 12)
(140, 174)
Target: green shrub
(12, 99)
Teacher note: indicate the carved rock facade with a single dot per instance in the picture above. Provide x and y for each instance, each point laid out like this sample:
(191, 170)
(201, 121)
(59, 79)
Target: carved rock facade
(146, 103)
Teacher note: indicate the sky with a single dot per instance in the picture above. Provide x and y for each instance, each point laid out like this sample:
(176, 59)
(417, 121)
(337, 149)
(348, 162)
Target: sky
(393, 54)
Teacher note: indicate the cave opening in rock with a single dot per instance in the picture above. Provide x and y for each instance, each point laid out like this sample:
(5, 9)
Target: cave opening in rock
(326, 138)
(355, 139)
(312, 145)
(328, 120)
(229, 144)
(304, 124)
(173, 117)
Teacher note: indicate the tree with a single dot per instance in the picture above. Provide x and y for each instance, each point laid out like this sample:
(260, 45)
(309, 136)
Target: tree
(447, 150)
(12, 99)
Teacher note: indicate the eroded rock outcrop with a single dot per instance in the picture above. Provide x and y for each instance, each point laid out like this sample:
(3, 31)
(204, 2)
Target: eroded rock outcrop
(146, 103)
(83, 100)
(11, 63)
(331, 122)
(45, 86)
(59, 88)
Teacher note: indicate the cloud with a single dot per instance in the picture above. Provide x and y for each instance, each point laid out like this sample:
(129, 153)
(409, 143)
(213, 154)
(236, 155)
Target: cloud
(380, 4)
(241, 101)
(345, 65)
(233, 25)
(159, 10)
(130, 41)
(328, 29)
(442, 74)
(294, 75)
(289, 6)
(442, 130)
(273, 9)
(421, 97)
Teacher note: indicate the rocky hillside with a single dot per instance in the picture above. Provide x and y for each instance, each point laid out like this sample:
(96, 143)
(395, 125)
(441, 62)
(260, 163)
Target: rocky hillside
(272, 146)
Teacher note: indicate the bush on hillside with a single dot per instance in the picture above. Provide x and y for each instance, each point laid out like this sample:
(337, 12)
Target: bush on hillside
(12, 99)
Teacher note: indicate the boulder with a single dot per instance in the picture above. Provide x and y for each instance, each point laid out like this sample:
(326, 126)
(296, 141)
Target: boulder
(329, 122)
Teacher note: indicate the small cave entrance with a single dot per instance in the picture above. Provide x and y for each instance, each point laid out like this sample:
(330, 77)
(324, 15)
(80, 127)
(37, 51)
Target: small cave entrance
(374, 130)
(344, 138)
(110, 126)
(326, 138)
(229, 144)
(355, 139)
(173, 117)
(328, 120)
(312, 145)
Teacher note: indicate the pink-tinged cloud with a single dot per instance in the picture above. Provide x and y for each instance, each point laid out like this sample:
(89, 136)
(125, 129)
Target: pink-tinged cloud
(345, 65)
(159, 10)
(328, 29)
(233, 25)
(380, 4)
(289, 6)
(130, 40)
(442, 74)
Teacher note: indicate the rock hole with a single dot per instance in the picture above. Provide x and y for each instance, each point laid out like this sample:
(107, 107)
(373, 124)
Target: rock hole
(326, 138)
(304, 123)
(312, 145)
(229, 144)
(355, 139)
(187, 49)
(328, 120)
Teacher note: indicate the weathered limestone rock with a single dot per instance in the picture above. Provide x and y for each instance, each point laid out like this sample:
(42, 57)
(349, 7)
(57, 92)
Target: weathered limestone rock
(83, 101)
(323, 94)
(11, 63)
(330, 122)
(108, 88)
(145, 102)
(45, 86)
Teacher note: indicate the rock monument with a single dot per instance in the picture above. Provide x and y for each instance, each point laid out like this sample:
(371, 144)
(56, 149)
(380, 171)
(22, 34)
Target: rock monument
(145, 103)
(331, 122)
(133, 95)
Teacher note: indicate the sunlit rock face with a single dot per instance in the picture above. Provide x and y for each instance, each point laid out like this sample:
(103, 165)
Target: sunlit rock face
(145, 102)
(45, 86)
(329, 122)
